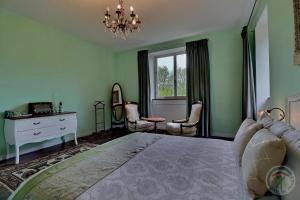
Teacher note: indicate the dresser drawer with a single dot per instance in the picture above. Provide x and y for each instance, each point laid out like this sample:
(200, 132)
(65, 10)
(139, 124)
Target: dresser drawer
(65, 119)
(35, 135)
(34, 123)
(43, 122)
(66, 129)
(42, 134)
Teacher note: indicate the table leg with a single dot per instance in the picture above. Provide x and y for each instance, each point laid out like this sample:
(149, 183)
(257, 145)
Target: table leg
(7, 151)
(155, 127)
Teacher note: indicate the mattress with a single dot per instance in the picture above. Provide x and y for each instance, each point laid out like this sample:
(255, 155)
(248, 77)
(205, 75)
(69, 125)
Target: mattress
(143, 166)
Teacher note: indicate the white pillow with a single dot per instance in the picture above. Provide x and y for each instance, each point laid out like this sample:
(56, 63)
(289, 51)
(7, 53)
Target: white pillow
(279, 128)
(263, 152)
(248, 128)
(292, 160)
(266, 120)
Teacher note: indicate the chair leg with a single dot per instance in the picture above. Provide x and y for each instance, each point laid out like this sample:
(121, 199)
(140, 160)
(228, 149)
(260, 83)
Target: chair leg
(17, 154)
(181, 130)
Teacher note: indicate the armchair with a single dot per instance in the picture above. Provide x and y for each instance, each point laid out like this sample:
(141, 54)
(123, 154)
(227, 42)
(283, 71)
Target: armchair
(187, 127)
(134, 122)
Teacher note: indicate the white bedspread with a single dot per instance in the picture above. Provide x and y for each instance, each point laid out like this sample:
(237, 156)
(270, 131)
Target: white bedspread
(175, 168)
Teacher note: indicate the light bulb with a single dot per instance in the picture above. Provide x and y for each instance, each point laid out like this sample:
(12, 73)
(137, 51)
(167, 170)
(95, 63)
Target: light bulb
(119, 7)
(134, 22)
(107, 9)
(137, 16)
(131, 8)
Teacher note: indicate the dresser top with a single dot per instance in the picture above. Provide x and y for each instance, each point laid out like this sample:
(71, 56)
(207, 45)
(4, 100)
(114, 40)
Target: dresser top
(37, 116)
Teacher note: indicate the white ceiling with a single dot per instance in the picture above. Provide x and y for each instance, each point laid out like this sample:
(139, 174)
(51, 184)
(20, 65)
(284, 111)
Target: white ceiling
(162, 20)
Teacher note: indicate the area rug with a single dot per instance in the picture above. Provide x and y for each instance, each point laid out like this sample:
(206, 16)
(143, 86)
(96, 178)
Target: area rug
(12, 176)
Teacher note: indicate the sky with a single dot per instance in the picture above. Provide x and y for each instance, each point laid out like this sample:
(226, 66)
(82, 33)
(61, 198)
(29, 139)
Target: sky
(169, 62)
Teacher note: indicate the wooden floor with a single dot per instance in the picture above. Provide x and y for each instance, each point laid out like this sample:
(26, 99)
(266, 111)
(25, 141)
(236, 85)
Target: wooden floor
(96, 138)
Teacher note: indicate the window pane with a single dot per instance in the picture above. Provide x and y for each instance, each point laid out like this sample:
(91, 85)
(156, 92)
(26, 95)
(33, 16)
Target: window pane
(165, 76)
(181, 74)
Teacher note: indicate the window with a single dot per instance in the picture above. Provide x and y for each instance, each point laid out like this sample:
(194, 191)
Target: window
(170, 76)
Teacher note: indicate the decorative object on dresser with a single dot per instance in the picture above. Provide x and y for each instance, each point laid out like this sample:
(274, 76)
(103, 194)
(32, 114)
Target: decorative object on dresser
(40, 108)
(99, 106)
(117, 106)
(37, 128)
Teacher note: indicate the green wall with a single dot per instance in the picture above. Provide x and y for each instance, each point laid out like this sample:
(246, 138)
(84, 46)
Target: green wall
(285, 75)
(39, 63)
(225, 49)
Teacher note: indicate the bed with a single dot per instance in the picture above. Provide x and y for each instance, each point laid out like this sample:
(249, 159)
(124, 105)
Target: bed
(159, 167)
(143, 166)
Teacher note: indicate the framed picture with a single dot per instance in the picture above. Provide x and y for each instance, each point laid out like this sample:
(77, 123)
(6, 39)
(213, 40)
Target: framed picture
(297, 31)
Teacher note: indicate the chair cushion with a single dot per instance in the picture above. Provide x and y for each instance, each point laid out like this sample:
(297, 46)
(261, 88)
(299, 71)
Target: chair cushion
(263, 152)
(174, 129)
(195, 113)
(248, 128)
(132, 112)
(141, 125)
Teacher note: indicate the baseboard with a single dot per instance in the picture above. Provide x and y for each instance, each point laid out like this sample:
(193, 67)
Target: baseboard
(226, 135)
(42, 145)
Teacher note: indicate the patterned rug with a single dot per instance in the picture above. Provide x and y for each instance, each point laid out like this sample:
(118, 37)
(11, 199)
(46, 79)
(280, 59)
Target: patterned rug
(12, 176)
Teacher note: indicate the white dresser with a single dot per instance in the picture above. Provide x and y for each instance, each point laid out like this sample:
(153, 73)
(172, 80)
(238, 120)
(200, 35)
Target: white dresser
(20, 131)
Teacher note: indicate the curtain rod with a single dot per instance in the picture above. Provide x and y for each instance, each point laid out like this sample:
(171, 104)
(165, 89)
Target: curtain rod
(252, 13)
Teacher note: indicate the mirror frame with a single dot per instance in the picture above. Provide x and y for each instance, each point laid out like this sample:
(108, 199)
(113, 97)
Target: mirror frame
(114, 120)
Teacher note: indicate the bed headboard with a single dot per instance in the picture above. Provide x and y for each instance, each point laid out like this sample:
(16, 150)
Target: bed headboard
(293, 111)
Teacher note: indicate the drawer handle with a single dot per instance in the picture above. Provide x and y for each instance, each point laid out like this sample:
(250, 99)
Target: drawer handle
(36, 123)
(62, 128)
(37, 133)
(61, 120)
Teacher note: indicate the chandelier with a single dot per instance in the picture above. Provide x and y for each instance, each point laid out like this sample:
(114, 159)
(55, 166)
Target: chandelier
(120, 25)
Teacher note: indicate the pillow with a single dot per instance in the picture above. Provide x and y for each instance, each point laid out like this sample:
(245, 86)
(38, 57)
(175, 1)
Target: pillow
(266, 120)
(292, 141)
(292, 137)
(263, 152)
(279, 128)
(248, 128)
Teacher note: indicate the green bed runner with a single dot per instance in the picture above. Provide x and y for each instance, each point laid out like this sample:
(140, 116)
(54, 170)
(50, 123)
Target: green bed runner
(69, 179)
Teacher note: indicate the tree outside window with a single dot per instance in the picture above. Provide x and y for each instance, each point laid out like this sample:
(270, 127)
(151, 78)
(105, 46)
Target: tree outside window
(171, 76)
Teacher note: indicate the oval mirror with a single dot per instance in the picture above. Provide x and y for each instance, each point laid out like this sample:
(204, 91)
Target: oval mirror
(117, 103)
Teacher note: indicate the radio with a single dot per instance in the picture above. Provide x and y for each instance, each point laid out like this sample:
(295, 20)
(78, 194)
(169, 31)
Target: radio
(40, 108)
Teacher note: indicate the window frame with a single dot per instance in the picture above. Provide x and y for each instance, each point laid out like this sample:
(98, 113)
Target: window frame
(174, 55)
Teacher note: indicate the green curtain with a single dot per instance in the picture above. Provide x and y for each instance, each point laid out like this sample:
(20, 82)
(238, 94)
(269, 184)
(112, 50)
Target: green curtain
(198, 82)
(144, 83)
